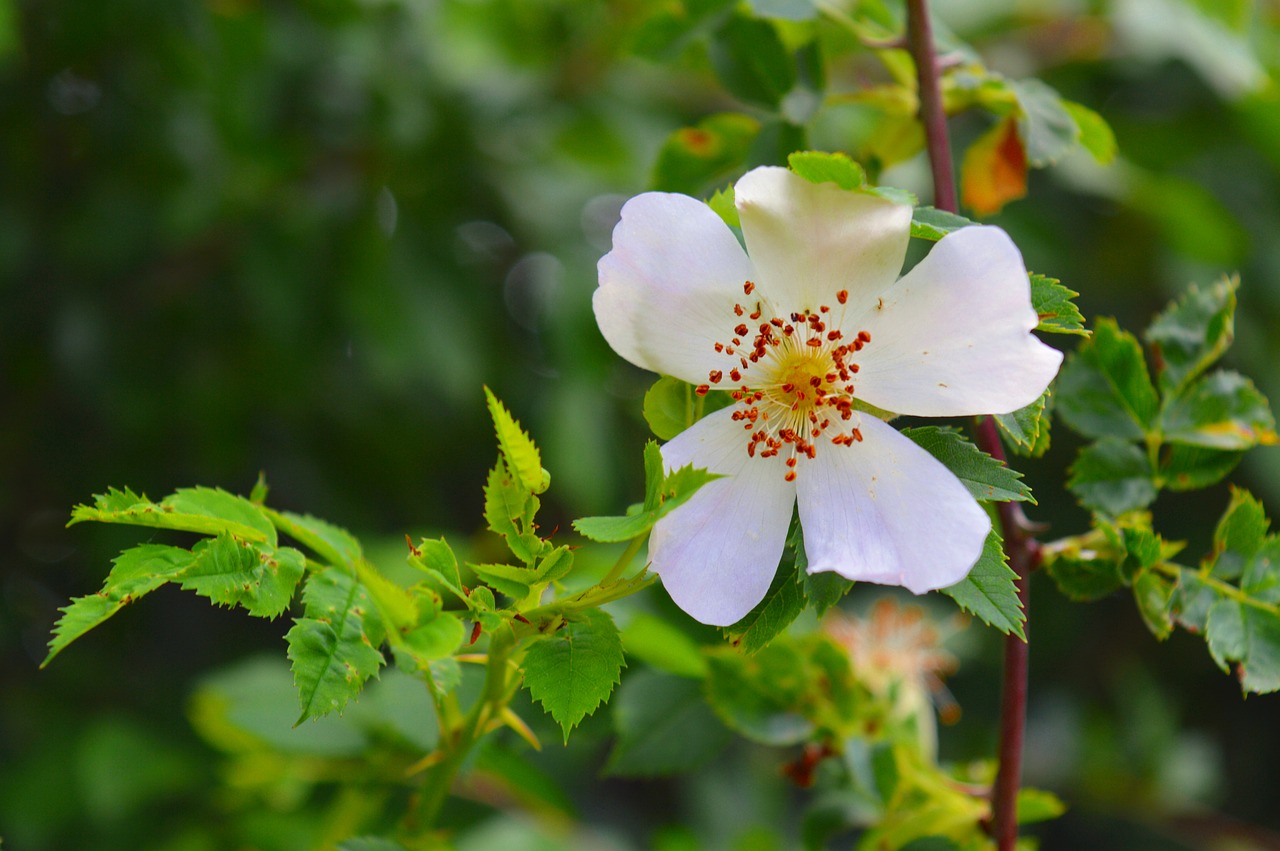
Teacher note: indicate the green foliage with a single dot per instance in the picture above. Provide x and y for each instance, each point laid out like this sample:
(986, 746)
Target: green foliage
(135, 573)
(518, 450)
(231, 572)
(694, 158)
(1055, 306)
(989, 591)
(333, 647)
(782, 604)
(572, 672)
(1026, 430)
(761, 696)
(751, 61)
(933, 224)
(208, 511)
(986, 478)
(1189, 426)
(664, 726)
(664, 492)
(1236, 600)
(819, 167)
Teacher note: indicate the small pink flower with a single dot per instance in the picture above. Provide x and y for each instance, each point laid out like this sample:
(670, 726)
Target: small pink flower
(812, 317)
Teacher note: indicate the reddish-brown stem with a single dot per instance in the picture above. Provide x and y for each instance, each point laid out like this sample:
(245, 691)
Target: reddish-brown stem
(1021, 548)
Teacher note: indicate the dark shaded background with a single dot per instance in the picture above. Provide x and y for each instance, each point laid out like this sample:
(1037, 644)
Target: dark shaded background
(297, 238)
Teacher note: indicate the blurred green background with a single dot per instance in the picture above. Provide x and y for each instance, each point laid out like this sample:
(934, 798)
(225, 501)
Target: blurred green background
(297, 237)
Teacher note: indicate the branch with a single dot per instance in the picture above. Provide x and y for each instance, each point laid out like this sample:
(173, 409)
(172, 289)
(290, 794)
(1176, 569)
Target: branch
(1021, 548)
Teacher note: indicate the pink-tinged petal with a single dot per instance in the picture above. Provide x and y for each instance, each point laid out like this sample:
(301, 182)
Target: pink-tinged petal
(953, 336)
(809, 240)
(668, 286)
(718, 552)
(886, 511)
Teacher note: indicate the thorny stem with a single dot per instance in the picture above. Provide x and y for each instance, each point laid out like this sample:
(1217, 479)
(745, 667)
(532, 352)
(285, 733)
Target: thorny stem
(1021, 548)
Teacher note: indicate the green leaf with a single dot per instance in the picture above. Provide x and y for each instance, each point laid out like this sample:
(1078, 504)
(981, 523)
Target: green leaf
(1193, 598)
(1241, 534)
(1083, 578)
(1113, 476)
(508, 579)
(989, 591)
(821, 167)
(435, 558)
(334, 646)
(675, 490)
(1035, 805)
(1026, 430)
(664, 727)
(509, 509)
(208, 511)
(781, 605)
(1188, 468)
(1192, 333)
(1223, 410)
(1104, 389)
(518, 449)
(1055, 306)
(1248, 635)
(574, 671)
(397, 610)
(984, 476)
(436, 636)
(555, 565)
(751, 61)
(232, 572)
(332, 543)
(722, 203)
(758, 696)
(822, 590)
(135, 573)
(707, 154)
(1096, 135)
(933, 224)
(1154, 596)
(664, 646)
(668, 407)
(1046, 126)
(670, 28)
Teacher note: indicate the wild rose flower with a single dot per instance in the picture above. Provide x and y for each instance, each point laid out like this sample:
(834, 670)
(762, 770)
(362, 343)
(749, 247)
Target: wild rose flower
(809, 320)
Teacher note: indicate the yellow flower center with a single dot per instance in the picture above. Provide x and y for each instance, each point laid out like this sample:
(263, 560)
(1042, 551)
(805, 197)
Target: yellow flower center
(804, 390)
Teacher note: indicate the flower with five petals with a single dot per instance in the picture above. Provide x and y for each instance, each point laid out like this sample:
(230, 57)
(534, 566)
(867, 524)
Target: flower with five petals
(805, 329)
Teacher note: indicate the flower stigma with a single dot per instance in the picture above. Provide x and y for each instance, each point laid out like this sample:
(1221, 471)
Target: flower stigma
(802, 389)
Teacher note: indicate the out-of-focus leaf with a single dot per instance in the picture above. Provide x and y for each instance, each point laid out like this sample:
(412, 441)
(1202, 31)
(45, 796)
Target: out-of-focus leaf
(663, 646)
(1187, 468)
(1047, 125)
(664, 726)
(676, 489)
(1035, 805)
(1096, 135)
(695, 158)
(1191, 218)
(759, 696)
(672, 26)
(752, 62)
(994, 169)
